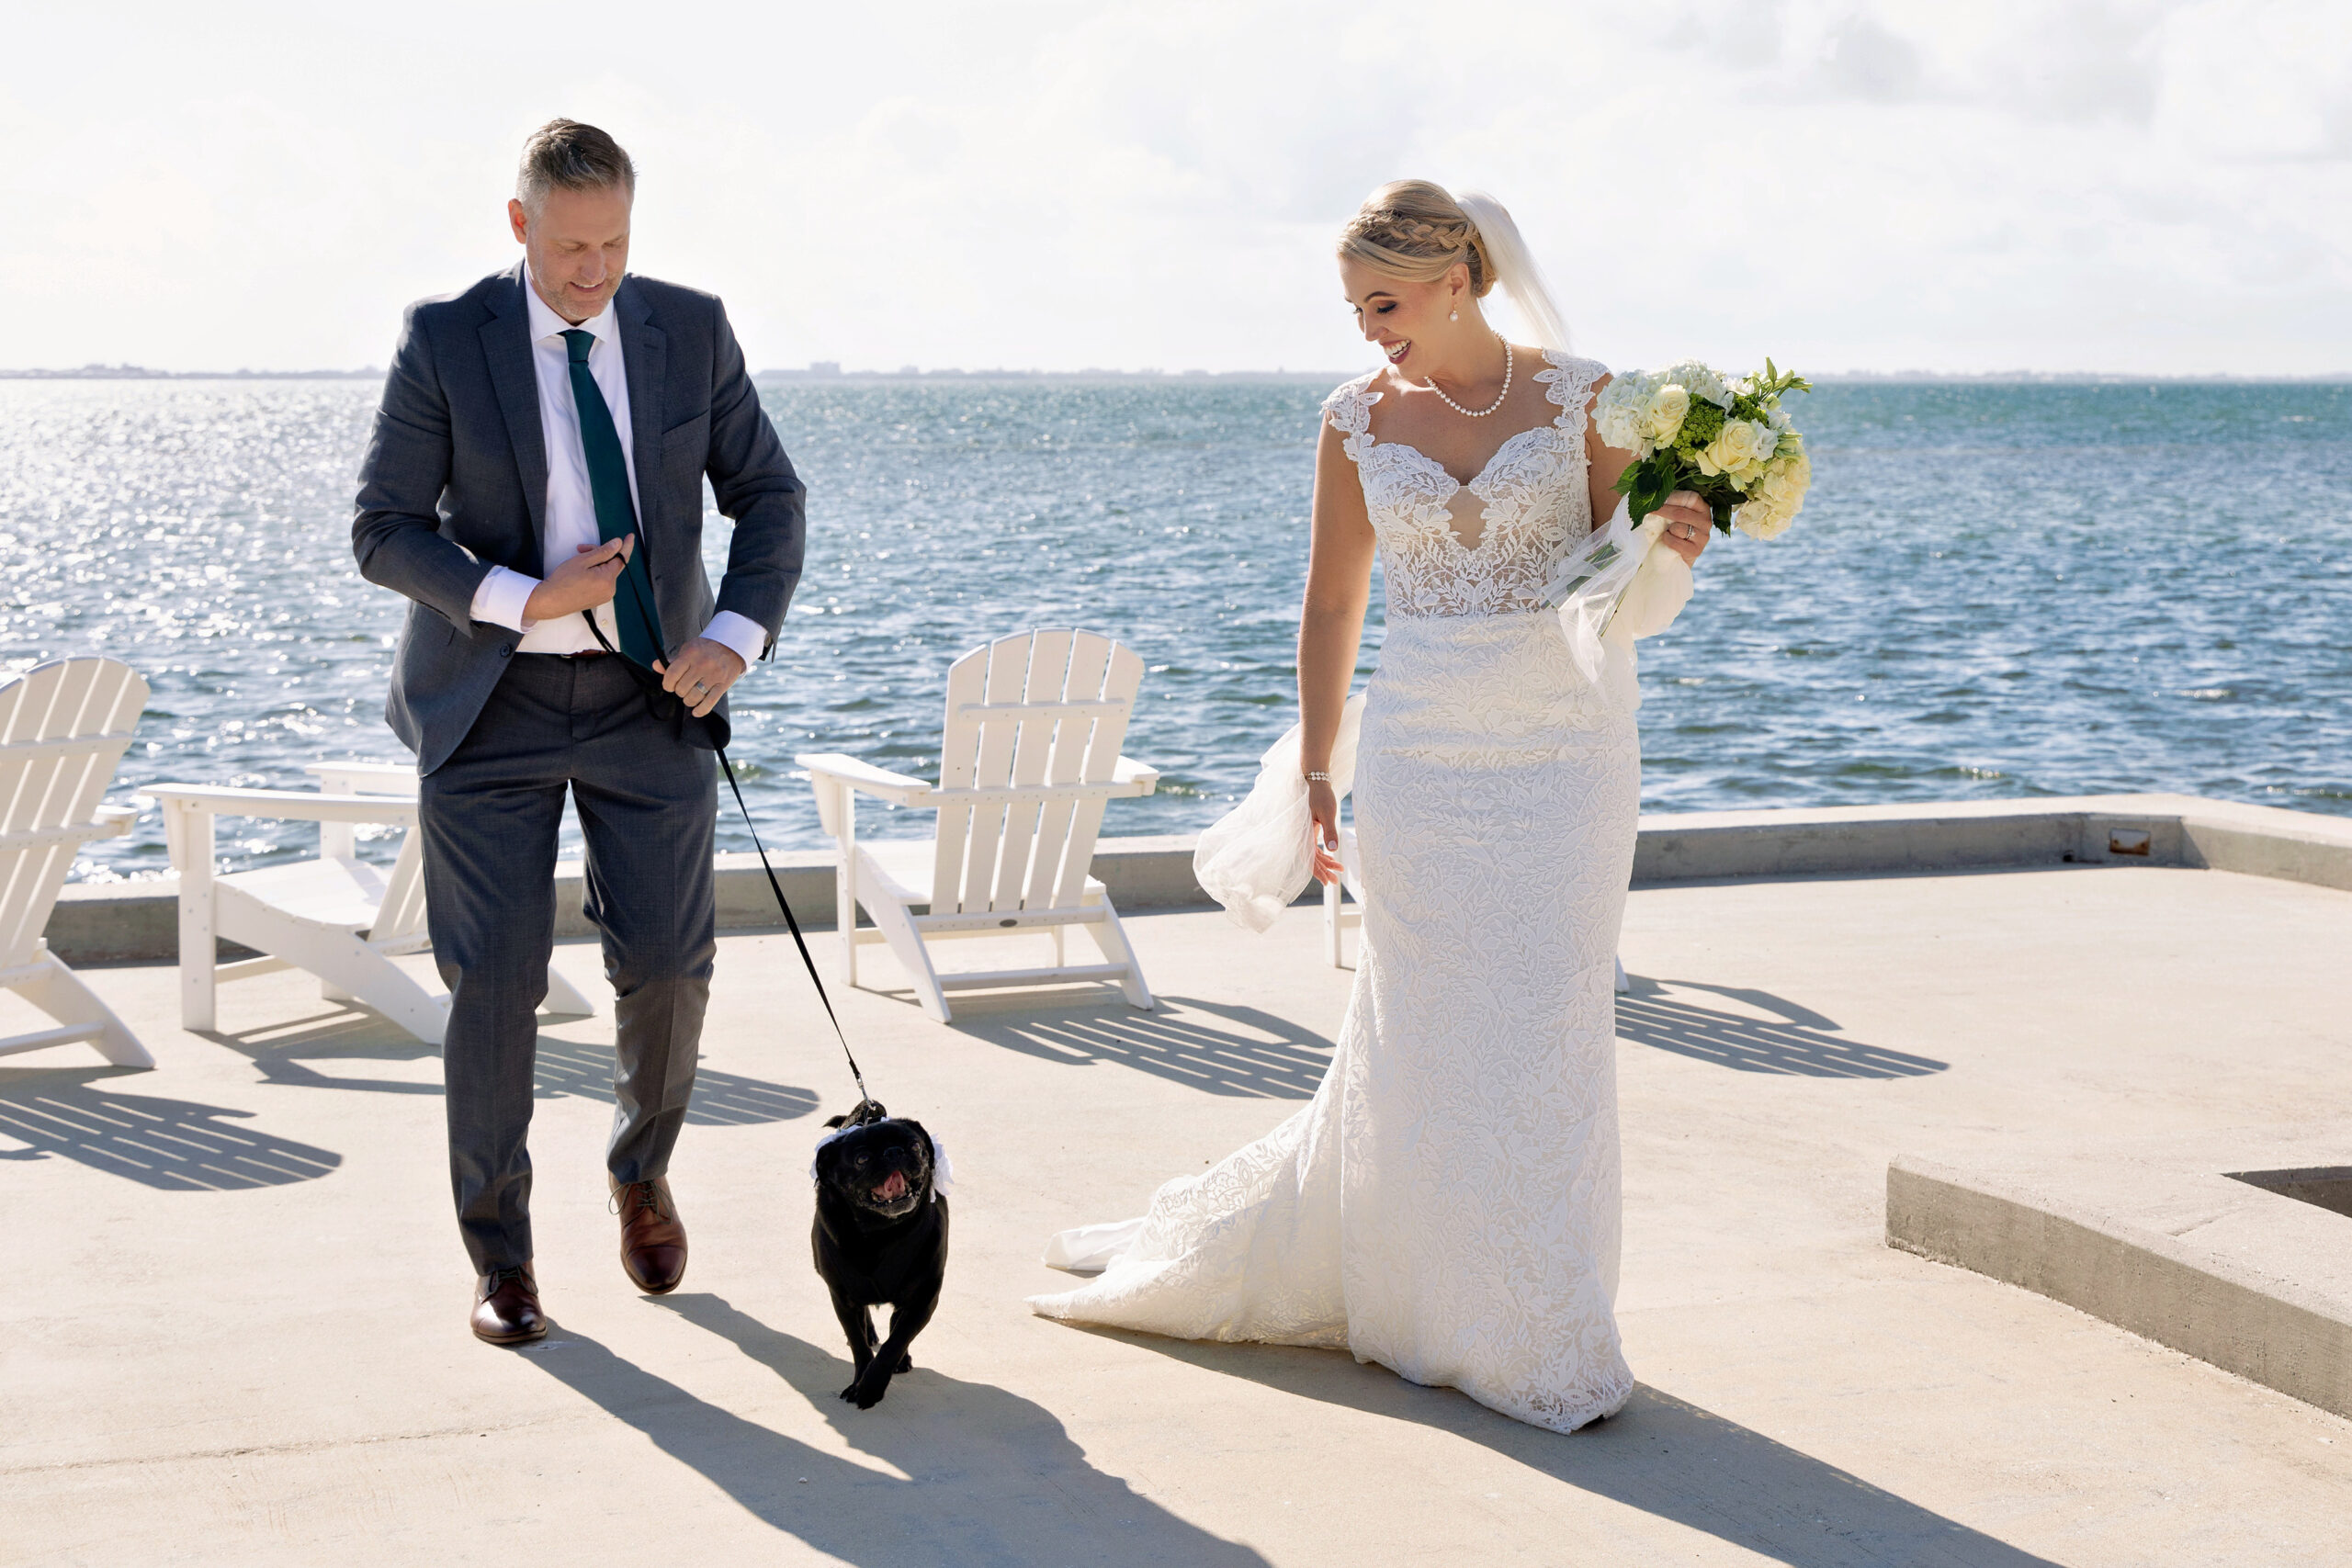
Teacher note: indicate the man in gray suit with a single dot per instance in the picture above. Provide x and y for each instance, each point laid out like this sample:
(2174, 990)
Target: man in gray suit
(538, 465)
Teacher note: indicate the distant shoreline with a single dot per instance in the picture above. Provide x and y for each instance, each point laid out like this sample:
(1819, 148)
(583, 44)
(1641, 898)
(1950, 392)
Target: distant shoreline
(834, 374)
(140, 373)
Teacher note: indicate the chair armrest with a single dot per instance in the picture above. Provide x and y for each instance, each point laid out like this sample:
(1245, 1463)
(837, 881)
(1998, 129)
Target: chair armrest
(365, 778)
(114, 821)
(1139, 778)
(896, 788)
(286, 804)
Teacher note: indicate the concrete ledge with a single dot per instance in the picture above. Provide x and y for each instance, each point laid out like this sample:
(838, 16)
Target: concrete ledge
(2137, 829)
(2161, 1243)
(136, 921)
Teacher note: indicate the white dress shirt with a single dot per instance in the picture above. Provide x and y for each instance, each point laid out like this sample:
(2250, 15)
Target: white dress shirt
(572, 501)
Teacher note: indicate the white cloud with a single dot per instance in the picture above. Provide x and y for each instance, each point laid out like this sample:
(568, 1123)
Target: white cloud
(2126, 185)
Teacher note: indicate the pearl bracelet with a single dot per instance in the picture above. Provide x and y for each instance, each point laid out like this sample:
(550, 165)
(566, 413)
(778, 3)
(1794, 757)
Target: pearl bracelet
(1319, 777)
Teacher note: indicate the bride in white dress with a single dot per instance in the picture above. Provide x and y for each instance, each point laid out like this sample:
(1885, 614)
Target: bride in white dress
(1448, 1204)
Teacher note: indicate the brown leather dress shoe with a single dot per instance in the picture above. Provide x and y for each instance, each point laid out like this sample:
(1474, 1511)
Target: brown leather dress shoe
(506, 1307)
(653, 1239)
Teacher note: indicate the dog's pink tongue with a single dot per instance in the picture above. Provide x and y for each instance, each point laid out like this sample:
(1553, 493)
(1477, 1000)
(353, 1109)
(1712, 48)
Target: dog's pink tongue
(893, 1186)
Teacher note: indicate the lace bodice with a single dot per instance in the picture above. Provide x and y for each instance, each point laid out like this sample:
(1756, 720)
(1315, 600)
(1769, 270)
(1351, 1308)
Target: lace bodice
(1518, 515)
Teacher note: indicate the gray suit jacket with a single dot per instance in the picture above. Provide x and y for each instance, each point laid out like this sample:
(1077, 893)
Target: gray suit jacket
(456, 481)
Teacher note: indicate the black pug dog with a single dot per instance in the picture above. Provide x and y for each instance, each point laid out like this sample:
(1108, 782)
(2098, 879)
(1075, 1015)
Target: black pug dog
(880, 1236)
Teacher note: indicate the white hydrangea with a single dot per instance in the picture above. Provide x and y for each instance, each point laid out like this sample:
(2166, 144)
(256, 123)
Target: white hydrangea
(1617, 413)
(1699, 381)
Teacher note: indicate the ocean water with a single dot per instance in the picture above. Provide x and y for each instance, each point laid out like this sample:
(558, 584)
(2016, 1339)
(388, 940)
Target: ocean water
(1996, 591)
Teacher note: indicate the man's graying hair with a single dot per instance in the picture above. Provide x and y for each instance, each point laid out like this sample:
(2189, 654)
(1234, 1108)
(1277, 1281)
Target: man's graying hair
(576, 156)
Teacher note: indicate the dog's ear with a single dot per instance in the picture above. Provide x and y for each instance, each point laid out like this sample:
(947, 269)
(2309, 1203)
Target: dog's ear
(835, 1121)
(827, 1161)
(922, 1139)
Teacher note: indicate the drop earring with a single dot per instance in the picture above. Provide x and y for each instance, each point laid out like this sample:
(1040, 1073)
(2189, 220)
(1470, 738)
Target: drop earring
(1454, 315)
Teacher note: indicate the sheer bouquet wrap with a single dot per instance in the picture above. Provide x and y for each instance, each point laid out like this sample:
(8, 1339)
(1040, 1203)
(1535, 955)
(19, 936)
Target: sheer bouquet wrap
(1258, 857)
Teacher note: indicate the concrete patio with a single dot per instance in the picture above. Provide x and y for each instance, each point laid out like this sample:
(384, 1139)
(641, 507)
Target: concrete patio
(235, 1331)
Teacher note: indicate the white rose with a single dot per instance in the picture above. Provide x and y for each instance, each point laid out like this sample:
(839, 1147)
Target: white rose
(1662, 417)
(1739, 449)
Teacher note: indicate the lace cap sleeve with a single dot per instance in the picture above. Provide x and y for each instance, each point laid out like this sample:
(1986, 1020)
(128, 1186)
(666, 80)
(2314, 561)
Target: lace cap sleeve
(1350, 410)
(1568, 382)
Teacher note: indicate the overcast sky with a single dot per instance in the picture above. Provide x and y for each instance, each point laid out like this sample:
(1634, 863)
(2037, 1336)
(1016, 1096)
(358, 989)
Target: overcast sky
(1977, 186)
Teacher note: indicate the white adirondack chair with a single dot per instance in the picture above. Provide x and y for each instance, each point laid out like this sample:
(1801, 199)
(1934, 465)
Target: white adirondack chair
(338, 916)
(1338, 916)
(1029, 752)
(63, 726)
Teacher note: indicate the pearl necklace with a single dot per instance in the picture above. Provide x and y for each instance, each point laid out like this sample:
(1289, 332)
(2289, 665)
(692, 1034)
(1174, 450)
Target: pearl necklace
(1478, 414)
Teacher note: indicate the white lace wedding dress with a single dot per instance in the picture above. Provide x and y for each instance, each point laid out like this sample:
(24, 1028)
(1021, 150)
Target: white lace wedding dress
(1448, 1203)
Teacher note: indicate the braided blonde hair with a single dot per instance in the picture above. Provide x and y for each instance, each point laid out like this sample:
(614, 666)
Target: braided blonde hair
(1416, 230)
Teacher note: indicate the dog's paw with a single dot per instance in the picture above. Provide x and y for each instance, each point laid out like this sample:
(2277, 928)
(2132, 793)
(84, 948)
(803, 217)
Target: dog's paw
(868, 1392)
(906, 1362)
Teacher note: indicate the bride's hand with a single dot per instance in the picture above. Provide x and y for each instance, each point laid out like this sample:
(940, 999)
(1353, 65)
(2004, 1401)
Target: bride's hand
(1323, 806)
(1688, 524)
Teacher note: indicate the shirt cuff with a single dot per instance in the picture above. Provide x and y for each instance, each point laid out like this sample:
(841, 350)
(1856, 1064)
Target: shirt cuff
(741, 633)
(500, 601)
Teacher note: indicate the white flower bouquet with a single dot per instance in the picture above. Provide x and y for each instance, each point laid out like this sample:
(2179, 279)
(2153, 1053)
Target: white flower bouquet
(1729, 441)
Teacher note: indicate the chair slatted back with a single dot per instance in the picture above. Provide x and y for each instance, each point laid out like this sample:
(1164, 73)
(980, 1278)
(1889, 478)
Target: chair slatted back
(1032, 720)
(63, 727)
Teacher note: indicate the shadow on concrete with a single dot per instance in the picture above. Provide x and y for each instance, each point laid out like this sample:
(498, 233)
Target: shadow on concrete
(1660, 1454)
(176, 1145)
(285, 1053)
(1244, 1052)
(1797, 1041)
(990, 1477)
(721, 1100)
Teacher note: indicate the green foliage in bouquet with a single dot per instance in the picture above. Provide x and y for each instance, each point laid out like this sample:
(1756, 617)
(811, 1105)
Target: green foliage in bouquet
(1730, 441)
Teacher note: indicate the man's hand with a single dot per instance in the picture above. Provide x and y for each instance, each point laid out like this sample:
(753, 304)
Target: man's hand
(702, 673)
(584, 581)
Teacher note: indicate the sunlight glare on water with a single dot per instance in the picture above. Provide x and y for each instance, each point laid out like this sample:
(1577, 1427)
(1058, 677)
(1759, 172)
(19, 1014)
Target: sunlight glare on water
(1996, 591)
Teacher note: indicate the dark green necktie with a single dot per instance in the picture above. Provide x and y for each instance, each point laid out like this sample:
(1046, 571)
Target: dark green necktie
(640, 627)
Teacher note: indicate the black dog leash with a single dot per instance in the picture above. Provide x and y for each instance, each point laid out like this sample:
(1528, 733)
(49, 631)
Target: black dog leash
(660, 697)
(863, 1098)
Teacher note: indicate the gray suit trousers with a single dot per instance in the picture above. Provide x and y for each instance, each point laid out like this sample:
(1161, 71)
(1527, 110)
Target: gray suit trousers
(648, 808)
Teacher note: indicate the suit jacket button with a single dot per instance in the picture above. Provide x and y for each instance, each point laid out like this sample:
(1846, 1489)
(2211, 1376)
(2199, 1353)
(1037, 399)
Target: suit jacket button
(504, 651)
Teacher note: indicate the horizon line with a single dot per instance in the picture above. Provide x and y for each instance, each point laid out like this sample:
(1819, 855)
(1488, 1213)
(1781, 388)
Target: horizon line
(832, 370)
